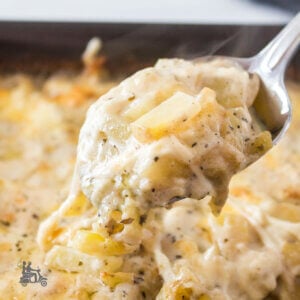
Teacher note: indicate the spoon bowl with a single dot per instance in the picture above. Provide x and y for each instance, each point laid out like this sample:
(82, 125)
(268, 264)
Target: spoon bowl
(272, 104)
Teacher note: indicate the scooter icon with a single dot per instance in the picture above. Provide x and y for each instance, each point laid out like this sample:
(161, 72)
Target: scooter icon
(30, 275)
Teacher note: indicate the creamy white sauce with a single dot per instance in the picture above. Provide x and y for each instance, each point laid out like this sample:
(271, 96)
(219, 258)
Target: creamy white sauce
(162, 135)
(182, 250)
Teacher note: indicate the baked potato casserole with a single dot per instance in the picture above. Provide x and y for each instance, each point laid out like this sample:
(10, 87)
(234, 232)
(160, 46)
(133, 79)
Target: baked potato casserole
(104, 221)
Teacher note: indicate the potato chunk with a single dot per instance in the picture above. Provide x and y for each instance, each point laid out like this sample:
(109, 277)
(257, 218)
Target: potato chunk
(188, 130)
(170, 116)
(93, 243)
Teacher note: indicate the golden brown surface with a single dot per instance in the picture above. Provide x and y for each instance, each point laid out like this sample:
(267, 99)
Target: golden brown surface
(39, 126)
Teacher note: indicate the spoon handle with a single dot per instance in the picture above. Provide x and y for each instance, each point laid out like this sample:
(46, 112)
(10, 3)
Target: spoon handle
(276, 55)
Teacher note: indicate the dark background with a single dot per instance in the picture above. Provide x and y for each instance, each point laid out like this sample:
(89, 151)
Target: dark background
(46, 47)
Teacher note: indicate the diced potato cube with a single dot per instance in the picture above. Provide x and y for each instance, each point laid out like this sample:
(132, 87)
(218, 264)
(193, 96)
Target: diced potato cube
(183, 293)
(233, 87)
(262, 143)
(170, 116)
(186, 247)
(113, 279)
(144, 104)
(116, 215)
(93, 243)
(115, 129)
(166, 168)
(88, 237)
(226, 96)
(72, 260)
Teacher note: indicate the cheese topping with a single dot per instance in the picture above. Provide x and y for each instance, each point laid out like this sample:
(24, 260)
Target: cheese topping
(179, 129)
(129, 243)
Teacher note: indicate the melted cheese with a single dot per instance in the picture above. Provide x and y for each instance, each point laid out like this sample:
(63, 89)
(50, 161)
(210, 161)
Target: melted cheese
(183, 251)
(179, 129)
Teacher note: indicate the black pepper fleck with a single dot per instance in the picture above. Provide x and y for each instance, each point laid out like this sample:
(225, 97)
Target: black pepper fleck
(175, 199)
(260, 147)
(132, 97)
(127, 221)
(5, 223)
(35, 216)
(143, 219)
(171, 237)
(138, 280)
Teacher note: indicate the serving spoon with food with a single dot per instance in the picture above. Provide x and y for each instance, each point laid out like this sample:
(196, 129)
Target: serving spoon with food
(183, 129)
(180, 129)
(272, 104)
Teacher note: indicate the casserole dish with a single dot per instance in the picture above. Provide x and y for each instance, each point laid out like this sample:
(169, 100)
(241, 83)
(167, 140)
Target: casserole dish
(45, 92)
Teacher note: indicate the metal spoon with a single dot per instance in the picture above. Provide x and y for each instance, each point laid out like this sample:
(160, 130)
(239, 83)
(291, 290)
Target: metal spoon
(272, 104)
